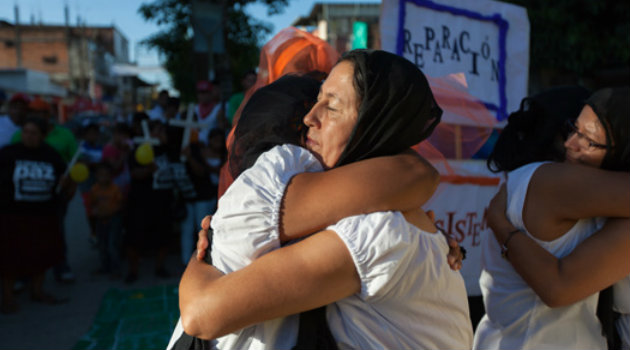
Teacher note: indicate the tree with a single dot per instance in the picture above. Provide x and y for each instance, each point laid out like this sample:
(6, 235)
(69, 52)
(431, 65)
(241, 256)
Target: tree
(577, 38)
(243, 37)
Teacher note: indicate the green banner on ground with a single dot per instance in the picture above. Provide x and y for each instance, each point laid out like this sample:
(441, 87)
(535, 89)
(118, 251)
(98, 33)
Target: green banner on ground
(133, 319)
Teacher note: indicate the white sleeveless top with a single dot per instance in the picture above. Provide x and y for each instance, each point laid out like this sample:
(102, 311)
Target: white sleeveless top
(409, 298)
(621, 304)
(516, 318)
(246, 227)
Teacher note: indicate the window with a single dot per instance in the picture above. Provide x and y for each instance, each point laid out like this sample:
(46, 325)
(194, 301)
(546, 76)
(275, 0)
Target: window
(52, 59)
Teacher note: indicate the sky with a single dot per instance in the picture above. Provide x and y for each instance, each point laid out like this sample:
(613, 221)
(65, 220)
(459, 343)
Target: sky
(124, 15)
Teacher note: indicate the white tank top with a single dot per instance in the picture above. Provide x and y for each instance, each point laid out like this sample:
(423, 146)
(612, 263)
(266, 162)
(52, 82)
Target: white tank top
(621, 304)
(516, 317)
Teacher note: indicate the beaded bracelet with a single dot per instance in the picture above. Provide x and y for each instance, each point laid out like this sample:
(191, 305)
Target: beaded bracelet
(504, 248)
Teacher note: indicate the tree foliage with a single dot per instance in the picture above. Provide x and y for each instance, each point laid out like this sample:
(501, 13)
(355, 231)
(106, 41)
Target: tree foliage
(578, 36)
(243, 37)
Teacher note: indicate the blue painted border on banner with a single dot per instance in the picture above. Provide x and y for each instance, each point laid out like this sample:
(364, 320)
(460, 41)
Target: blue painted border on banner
(496, 18)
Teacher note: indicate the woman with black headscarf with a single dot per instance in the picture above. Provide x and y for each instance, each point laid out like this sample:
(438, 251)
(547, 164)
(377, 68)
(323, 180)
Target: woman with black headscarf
(381, 269)
(542, 273)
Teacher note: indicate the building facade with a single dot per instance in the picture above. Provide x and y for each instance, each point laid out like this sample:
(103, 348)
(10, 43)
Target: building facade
(335, 23)
(78, 58)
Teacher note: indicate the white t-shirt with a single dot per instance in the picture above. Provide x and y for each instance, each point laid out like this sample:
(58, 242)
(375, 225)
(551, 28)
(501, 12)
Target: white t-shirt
(157, 113)
(246, 226)
(211, 122)
(7, 129)
(409, 298)
(516, 318)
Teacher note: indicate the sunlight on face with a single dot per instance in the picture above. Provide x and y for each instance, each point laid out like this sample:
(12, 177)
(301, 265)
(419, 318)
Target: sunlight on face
(333, 117)
(589, 129)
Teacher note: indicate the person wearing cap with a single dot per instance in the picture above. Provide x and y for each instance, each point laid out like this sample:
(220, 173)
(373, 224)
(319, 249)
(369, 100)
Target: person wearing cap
(206, 105)
(15, 118)
(157, 113)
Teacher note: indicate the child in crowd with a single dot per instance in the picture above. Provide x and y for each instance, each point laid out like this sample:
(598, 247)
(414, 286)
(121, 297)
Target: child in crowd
(116, 153)
(149, 220)
(106, 199)
(197, 179)
(91, 154)
(214, 154)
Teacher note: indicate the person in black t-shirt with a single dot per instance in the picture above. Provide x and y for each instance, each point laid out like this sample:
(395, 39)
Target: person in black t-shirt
(30, 173)
(149, 220)
(194, 181)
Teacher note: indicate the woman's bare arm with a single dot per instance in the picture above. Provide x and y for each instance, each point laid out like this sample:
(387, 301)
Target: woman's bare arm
(320, 272)
(595, 264)
(572, 191)
(313, 201)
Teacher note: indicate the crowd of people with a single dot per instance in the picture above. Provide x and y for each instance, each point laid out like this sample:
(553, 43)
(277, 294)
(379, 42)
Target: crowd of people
(142, 188)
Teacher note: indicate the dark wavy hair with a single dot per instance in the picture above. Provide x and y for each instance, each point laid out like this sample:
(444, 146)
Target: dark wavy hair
(535, 132)
(613, 110)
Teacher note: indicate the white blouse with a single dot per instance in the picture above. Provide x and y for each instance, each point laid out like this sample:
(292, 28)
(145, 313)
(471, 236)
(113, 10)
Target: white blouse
(246, 226)
(516, 318)
(409, 298)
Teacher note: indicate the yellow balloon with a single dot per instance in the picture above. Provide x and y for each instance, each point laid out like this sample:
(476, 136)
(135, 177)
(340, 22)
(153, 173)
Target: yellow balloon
(79, 172)
(144, 154)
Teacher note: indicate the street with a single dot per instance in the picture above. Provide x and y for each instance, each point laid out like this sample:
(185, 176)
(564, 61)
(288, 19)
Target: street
(39, 326)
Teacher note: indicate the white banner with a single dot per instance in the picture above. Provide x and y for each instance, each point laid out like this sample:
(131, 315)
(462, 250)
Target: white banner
(460, 204)
(486, 40)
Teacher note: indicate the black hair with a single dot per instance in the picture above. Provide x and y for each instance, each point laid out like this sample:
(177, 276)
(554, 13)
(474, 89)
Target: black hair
(272, 116)
(103, 166)
(613, 111)
(316, 74)
(40, 123)
(155, 123)
(139, 116)
(122, 128)
(358, 79)
(173, 102)
(248, 72)
(534, 133)
(216, 132)
(90, 126)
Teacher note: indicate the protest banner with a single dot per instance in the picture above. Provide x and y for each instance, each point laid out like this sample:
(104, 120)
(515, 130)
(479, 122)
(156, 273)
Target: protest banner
(460, 205)
(486, 40)
(476, 56)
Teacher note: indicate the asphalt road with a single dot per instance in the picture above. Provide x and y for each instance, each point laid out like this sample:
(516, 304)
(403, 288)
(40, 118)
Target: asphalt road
(37, 326)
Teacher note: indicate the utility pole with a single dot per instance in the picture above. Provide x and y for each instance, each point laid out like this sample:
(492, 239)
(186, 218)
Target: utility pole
(18, 39)
(69, 47)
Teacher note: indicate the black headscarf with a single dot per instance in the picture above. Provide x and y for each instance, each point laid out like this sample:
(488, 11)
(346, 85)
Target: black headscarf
(534, 132)
(612, 106)
(273, 116)
(397, 108)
